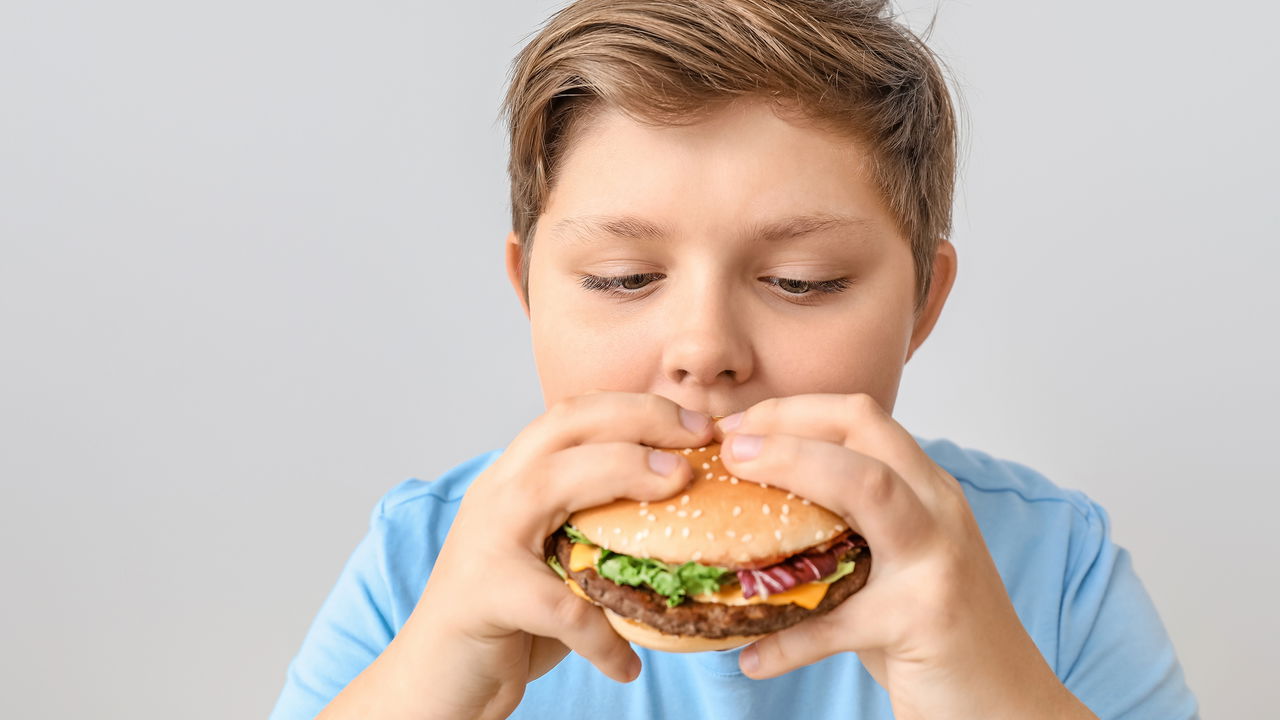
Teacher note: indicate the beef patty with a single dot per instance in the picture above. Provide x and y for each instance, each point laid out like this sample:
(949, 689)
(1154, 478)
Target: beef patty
(709, 620)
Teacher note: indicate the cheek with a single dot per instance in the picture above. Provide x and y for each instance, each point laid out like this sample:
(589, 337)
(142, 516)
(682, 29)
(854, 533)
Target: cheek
(849, 353)
(581, 346)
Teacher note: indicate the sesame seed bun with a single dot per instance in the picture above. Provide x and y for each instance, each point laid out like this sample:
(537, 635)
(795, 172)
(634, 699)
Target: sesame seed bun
(717, 520)
(647, 636)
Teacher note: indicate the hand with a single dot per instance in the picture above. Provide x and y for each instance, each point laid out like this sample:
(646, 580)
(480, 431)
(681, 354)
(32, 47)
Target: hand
(493, 615)
(934, 624)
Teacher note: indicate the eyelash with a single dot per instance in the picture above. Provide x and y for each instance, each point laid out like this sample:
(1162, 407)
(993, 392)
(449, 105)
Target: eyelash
(613, 285)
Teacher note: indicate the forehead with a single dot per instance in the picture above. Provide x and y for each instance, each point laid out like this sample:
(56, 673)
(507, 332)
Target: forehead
(743, 163)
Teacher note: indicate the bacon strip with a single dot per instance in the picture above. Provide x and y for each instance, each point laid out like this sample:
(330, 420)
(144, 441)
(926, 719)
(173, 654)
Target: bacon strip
(797, 569)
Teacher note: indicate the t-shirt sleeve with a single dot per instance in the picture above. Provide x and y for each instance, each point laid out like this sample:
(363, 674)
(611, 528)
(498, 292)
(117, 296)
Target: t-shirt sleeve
(350, 631)
(1114, 652)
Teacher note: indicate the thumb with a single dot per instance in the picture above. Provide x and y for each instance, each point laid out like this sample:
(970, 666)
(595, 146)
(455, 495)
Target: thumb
(797, 646)
(544, 654)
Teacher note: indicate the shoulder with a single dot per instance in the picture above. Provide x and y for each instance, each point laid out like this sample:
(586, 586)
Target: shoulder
(415, 497)
(987, 478)
(1039, 533)
(407, 529)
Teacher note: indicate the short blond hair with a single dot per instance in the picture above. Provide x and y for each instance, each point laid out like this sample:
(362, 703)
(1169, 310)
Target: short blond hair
(847, 64)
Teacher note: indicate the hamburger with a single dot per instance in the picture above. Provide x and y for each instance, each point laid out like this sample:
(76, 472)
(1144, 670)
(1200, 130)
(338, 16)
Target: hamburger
(718, 566)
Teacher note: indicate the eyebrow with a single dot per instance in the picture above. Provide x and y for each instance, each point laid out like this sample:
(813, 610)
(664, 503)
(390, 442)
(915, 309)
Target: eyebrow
(584, 230)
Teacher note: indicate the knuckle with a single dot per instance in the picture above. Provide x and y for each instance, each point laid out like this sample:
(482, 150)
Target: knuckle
(558, 412)
(879, 484)
(655, 406)
(571, 610)
(765, 408)
(860, 405)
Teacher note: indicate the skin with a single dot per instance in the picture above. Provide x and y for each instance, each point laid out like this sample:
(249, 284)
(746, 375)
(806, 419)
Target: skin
(712, 216)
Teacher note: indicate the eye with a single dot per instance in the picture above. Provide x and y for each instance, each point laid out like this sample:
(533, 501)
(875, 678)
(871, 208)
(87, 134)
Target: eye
(809, 288)
(622, 285)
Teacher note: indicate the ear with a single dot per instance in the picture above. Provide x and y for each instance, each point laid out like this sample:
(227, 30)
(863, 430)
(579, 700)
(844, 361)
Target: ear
(944, 276)
(513, 252)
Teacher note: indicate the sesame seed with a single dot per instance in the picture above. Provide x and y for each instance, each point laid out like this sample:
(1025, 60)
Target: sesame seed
(682, 513)
(806, 502)
(696, 556)
(786, 508)
(709, 476)
(791, 496)
(639, 536)
(667, 532)
(702, 449)
(600, 530)
(706, 466)
(819, 535)
(786, 520)
(697, 513)
(763, 485)
(671, 508)
(730, 534)
(684, 532)
(733, 481)
(839, 527)
(714, 458)
(686, 451)
(737, 510)
(711, 536)
(651, 517)
(724, 477)
(765, 508)
(777, 534)
(617, 531)
(644, 503)
(746, 538)
(684, 500)
(643, 511)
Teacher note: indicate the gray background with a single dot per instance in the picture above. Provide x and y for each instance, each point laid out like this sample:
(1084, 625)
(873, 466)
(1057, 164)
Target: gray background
(250, 278)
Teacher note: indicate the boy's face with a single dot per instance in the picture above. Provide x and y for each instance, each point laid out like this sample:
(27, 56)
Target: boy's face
(732, 226)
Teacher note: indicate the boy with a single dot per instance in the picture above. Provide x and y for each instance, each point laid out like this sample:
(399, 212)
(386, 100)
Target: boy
(735, 208)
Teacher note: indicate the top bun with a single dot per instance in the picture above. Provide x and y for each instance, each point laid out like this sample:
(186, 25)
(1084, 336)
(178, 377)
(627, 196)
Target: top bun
(717, 520)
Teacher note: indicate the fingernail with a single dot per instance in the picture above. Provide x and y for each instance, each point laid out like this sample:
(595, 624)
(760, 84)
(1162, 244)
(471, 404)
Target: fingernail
(745, 447)
(731, 423)
(695, 421)
(662, 462)
(749, 660)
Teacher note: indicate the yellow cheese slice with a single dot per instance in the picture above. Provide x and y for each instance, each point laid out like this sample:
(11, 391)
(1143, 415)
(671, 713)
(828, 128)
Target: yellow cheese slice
(577, 590)
(806, 596)
(582, 557)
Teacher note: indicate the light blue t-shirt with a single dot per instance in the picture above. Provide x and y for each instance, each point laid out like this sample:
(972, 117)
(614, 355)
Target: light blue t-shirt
(1074, 590)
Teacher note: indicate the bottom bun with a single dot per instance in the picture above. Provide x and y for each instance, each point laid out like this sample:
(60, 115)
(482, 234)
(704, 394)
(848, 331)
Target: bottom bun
(648, 636)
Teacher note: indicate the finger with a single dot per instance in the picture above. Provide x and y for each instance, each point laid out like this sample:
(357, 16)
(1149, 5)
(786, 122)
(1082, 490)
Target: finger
(795, 647)
(547, 608)
(855, 421)
(607, 416)
(844, 629)
(545, 654)
(868, 493)
(587, 476)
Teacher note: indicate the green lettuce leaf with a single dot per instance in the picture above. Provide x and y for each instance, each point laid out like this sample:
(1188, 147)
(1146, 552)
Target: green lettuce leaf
(576, 536)
(844, 568)
(674, 582)
(554, 562)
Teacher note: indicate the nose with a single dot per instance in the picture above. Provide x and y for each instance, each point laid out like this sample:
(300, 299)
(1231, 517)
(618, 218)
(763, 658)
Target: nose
(706, 342)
